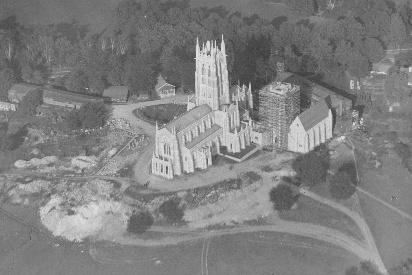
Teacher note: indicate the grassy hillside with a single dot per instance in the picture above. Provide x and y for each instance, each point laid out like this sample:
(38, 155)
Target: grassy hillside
(98, 13)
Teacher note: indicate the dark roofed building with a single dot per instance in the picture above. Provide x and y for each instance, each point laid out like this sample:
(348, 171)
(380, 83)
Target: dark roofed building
(117, 94)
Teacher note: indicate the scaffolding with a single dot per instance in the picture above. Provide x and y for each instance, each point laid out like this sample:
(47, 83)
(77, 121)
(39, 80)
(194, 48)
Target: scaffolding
(279, 105)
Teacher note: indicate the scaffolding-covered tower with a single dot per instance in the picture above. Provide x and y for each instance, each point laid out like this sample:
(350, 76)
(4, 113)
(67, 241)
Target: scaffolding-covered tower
(279, 105)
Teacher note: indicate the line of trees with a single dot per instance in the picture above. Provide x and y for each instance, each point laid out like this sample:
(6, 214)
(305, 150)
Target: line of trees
(149, 38)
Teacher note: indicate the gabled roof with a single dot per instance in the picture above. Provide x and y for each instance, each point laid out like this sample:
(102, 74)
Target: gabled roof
(116, 92)
(161, 82)
(188, 118)
(23, 88)
(209, 131)
(64, 96)
(314, 115)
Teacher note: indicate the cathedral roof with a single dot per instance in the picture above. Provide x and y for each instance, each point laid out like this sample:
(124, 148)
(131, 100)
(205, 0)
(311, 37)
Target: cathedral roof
(314, 115)
(202, 136)
(189, 118)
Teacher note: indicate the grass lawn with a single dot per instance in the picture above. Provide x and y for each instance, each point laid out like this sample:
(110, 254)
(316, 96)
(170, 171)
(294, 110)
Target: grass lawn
(392, 232)
(162, 113)
(311, 211)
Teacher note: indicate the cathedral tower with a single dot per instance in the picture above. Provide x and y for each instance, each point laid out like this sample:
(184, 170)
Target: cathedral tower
(211, 77)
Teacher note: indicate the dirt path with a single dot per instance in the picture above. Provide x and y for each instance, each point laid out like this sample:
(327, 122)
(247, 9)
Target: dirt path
(302, 229)
(360, 222)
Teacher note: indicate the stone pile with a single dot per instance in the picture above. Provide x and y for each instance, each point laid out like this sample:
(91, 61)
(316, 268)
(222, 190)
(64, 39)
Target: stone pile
(119, 123)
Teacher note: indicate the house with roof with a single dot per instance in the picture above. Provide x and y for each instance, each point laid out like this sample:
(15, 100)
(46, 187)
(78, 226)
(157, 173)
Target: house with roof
(55, 102)
(164, 89)
(116, 94)
(311, 128)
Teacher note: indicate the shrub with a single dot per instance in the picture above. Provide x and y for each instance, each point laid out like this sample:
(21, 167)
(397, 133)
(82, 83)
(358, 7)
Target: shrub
(171, 211)
(341, 186)
(366, 268)
(350, 169)
(282, 197)
(139, 223)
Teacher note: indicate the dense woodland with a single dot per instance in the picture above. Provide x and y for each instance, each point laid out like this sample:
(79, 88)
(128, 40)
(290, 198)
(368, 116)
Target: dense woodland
(148, 38)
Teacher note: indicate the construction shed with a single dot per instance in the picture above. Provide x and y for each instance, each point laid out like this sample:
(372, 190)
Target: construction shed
(116, 94)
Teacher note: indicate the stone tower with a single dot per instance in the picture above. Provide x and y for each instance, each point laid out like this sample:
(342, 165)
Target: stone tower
(211, 77)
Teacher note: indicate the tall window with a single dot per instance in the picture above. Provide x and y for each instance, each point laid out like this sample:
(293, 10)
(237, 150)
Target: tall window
(166, 149)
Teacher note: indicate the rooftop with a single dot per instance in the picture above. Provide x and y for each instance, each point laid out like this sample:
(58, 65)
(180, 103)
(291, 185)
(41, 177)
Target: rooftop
(314, 115)
(280, 88)
(116, 91)
(209, 131)
(188, 118)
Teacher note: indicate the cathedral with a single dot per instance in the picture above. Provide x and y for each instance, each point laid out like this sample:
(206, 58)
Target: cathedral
(217, 116)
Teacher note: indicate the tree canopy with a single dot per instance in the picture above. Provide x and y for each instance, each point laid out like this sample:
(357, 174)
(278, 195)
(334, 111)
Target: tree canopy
(282, 197)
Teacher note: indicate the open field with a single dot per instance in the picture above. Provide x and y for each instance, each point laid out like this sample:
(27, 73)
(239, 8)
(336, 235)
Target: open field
(392, 232)
(311, 211)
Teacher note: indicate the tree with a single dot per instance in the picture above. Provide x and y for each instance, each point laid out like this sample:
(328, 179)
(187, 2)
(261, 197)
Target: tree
(30, 102)
(93, 115)
(73, 120)
(310, 168)
(7, 79)
(341, 186)
(404, 59)
(373, 50)
(76, 81)
(396, 87)
(304, 6)
(171, 211)
(397, 32)
(139, 222)
(31, 75)
(282, 197)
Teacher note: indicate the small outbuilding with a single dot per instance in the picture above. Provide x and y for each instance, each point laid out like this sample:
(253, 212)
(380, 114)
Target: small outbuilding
(116, 94)
(164, 89)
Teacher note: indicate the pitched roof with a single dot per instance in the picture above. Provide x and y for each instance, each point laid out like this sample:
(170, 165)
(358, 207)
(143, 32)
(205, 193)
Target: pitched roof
(209, 131)
(23, 88)
(161, 82)
(314, 115)
(189, 118)
(63, 96)
(116, 91)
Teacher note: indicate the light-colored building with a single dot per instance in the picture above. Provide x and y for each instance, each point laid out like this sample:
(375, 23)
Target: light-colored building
(212, 120)
(311, 128)
(7, 106)
(164, 89)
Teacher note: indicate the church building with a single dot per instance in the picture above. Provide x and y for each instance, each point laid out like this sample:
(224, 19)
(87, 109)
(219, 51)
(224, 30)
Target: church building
(213, 119)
